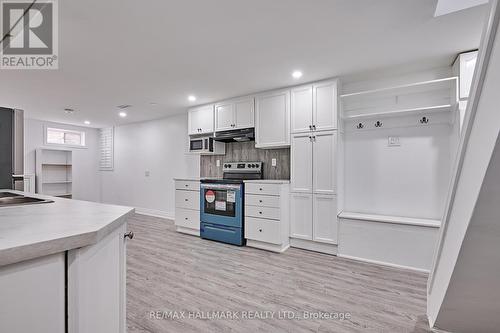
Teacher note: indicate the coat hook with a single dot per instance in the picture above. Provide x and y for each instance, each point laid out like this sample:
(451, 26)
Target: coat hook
(378, 124)
(360, 126)
(424, 120)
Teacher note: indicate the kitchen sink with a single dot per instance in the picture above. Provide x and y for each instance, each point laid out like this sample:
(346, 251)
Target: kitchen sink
(12, 199)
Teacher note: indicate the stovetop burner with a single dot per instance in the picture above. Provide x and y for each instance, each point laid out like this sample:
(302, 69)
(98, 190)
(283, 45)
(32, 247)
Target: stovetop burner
(237, 172)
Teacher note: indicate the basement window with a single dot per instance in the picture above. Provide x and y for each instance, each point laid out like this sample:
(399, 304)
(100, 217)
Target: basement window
(64, 137)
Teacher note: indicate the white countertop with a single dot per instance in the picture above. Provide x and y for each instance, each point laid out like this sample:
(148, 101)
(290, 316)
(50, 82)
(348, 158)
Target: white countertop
(37, 230)
(268, 181)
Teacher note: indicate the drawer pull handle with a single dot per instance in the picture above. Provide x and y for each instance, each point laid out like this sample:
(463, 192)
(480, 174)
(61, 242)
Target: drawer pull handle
(260, 230)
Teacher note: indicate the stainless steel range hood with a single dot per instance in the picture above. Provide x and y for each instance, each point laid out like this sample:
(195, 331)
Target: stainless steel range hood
(240, 135)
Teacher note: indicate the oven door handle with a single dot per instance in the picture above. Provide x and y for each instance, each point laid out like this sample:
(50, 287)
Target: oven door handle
(221, 186)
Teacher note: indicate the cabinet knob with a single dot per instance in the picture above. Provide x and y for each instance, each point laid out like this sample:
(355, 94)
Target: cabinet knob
(186, 200)
(186, 218)
(260, 213)
(186, 185)
(129, 235)
(310, 127)
(314, 127)
(260, 189)
(260, 201)
(260, 230)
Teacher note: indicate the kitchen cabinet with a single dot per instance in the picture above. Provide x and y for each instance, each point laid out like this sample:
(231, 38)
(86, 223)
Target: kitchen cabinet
(234, 114)
(272, 119)
(314, 107)
(201, 120)
(187, 206)
(313, 162)
(325, 224)
(96, 285)
(267, 214)
(301, 215)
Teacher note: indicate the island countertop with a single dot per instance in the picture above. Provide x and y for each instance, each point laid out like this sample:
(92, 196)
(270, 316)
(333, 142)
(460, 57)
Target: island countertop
(32, 231)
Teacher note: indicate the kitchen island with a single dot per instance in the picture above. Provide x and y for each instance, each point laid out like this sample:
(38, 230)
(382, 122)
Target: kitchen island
(62, 266)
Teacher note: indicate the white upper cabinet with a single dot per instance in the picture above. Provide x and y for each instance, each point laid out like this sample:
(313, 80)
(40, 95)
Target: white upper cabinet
(272, 116)
(324, 162)
(301, 163)
(302, 109)
(325, 106)
(314, 107)
(201, 120)
(234, 114)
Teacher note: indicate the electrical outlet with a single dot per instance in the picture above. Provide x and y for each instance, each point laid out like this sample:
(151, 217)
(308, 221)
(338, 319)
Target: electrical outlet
(147, 173)
(217, 163)
(393, 141)
(273, 162)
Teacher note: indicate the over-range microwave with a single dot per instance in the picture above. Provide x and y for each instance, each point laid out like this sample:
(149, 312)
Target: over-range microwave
(206, 145)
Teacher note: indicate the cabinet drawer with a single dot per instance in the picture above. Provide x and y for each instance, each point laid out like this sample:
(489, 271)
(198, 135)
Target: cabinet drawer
(187, 218)
(267, 231)
(263, 212)
(187, 200)
(190, 185)
(262, 200)
(268, 189)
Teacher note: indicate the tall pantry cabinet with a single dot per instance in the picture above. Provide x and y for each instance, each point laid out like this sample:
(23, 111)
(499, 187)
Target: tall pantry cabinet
(313, 197)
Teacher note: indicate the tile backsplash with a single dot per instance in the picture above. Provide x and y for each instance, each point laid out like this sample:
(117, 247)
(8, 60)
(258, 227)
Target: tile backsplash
(246, 152)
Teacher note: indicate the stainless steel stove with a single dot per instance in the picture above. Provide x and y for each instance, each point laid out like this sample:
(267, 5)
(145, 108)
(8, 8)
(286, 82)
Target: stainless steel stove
(222, 202)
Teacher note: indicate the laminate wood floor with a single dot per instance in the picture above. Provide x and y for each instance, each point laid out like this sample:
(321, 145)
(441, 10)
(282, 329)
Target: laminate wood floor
(170, 273)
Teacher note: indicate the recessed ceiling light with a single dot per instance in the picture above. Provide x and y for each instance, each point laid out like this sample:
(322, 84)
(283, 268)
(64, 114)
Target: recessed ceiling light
(297, 74)
(86, 122)
(122, 114)
(153, 103)
(191, 98)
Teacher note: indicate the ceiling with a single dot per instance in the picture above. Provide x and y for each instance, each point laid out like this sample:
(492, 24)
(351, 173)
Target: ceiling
(118, 52)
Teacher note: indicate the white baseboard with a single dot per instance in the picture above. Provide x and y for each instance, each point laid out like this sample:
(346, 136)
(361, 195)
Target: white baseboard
(188, 231)
(155, 213)
(382, 263)
(267, 246)
(313, 246)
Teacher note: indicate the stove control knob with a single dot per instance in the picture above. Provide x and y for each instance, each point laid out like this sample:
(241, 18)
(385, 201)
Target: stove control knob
(229, 165)
(225, 165)
(249, 165)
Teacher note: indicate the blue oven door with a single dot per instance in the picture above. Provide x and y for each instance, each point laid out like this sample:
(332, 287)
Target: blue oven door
(221, 204)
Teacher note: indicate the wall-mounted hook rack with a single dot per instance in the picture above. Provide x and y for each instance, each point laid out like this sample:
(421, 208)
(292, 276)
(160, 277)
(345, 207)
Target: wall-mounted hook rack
(360, 126)
(424, 120)
(378, 123)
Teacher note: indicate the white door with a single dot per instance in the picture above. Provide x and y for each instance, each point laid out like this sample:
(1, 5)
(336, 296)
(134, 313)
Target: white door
(324, 162)
(201, 120)
(325, 225)
(301, 163)
(244, 113)
(325, 106)
(301, 109)
(272, 118)
(224, 117)
(301, 215)
(96, 286)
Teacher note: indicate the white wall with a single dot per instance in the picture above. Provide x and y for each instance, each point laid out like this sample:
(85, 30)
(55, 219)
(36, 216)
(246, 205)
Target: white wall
(157, 146)
(86, 180)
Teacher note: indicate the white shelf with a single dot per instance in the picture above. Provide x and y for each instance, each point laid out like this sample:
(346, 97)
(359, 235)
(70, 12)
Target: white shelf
(391, 219)
(424, 85)
(410, 111)
(58, 182)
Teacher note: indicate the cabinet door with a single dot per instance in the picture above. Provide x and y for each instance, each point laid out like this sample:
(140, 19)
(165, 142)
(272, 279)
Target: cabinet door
(201, 120)
(301, 215)
(96, 286)
(324, 162)
(224, 117)
(272, 128)
(302, 109)
(325, 225)
(301, 163)
(244, 113)
(325, 105)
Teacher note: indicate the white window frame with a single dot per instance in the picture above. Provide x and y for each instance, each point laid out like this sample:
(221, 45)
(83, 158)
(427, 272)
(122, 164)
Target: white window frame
(111, 147)
(82, 133)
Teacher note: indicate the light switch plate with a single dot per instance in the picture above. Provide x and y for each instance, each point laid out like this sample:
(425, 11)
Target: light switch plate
(147, 173)
(393, 141)
(217, 163)
(273, 162)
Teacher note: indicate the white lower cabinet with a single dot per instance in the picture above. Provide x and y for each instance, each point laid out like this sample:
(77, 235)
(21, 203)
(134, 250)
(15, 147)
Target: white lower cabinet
(266, 215)
(96, 286)
(313, 222)
(187, 206)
